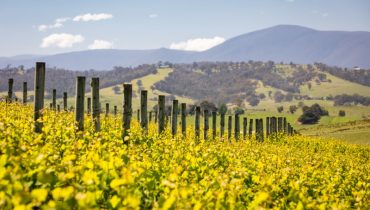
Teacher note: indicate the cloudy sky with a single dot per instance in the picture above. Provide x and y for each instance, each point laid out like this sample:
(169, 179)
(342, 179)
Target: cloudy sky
(56, 26)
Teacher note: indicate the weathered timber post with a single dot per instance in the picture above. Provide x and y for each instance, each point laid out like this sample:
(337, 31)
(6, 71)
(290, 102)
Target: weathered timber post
(262, 135)
(54, 99)
(280, 124)
(88, 105)
(144, 110)
(214, 125)
(245, 124)
(257, 129)
(138, 115)
(183, 119)
(229, 127)
(65, 103)
(197, 122)
(95, 103)
(175, 107)
(267, 127)
(150, 116)
(58, 108)
(237, 127)
(115, 110)
(205, 125)
(284, 125)
(106, 109)
(80, 102)
(156, 115)
(161, 113)
(39, 95)
(51, 106)
(10, 89)
(222, 125)
(24, 92)
(127, 109)
(250, 128)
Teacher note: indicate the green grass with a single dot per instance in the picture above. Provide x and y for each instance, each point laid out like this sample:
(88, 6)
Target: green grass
(337, 86)
(108, 95)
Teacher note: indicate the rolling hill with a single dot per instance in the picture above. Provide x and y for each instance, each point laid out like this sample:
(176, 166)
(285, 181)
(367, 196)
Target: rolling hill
(287, 43)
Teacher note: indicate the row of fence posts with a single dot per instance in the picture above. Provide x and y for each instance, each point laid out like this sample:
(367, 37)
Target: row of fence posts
(273, 125)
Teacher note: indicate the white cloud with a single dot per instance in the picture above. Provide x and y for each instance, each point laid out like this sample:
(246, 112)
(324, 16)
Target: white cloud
(199, 44)
(61, 40)
(92, 17)
(101, 44)
(290, 0)
(153, 16)
(58, 24)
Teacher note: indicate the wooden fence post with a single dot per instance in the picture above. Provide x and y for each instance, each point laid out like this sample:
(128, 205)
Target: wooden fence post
(24, 92)
(10, 89)
(262, 133)
(65, 98)
(161, 113)
(222, 125)
(127, 109)
(51, 106)
(58, 108)
(257, 129)
(150, 116)
(214, 124)
(88, 105)
(267, 127)
(115, 111)
(106, 109)
(280, 124)
(183, 119)
(156, 115)
(138, 115)
(39, 95)
(245, 124)
(284, 125)
(250, 128)
(54, 102)
(197, 122)
(229, 127)
(80, 102)
(175, 107)
(144, 110)
(95, 103)
(205, 125)
(237, 127)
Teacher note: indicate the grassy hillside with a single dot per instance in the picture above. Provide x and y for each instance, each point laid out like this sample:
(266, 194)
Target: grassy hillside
(148, 81)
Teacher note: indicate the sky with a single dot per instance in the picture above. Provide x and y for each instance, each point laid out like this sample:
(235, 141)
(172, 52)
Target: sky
(43, 27)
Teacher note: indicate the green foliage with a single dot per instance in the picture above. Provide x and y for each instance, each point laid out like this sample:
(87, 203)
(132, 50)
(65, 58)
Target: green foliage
(312, 114)
(64, 169)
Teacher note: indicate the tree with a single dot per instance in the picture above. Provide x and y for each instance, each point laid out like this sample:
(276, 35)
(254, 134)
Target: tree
(206, 105)
(116, 90)
(253, 100)
(312, 114)
(293, 109)
(222, 109)
(239, 110)
(280, 109)
(279, 96)
(342, 113)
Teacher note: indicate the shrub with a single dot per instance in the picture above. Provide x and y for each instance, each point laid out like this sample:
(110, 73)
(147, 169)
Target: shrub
(342, 113)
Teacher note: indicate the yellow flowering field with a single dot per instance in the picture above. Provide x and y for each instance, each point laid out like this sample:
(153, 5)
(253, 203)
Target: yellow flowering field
(65, 169)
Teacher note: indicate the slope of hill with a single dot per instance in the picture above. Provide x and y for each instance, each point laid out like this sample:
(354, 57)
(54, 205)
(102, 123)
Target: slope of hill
(280, 43)
(297, 44)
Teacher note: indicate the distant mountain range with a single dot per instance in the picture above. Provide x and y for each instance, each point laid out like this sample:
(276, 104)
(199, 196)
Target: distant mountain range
(287, 43)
